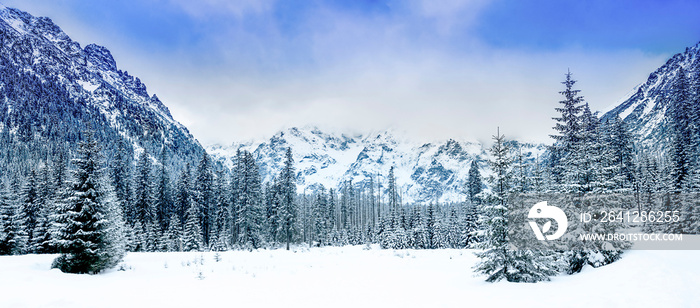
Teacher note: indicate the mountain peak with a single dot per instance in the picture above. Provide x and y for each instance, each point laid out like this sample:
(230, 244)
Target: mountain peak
(100, 57)
(644, 109)
(73, 87)
(329, 158)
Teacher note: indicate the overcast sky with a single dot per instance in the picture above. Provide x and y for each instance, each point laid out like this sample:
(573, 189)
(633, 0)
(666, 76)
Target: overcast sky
(235, 70)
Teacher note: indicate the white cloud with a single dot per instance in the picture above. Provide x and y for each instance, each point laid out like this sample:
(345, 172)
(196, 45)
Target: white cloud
(237, 8)
(362, 72)
(447, 14)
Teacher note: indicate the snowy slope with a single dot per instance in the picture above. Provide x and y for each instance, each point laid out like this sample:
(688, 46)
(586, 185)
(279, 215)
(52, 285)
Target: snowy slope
(114, 101)
(425, 171)
(645, 108)
(344, 277)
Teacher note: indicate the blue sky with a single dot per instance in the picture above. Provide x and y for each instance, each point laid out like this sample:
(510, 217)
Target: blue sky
(233, 70)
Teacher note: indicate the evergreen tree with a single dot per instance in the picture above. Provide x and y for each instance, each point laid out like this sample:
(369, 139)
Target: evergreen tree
(319, 218)
(497, 260)
(91, 227)
(474, 183)
(184, 195)
(12, 235)
(522, 174)
(564, 168)
(192, 237)
(590, 150)
(682, 147)
(251, 209)
(46, 192)
(30, 208)
(431, 227)
(144, 201)
(235, 198)
(163, 200)
(222, 216)
(204, 196)
(621, 149)
(288, 188)
(393, 192)
(174, 234)
(121, 178)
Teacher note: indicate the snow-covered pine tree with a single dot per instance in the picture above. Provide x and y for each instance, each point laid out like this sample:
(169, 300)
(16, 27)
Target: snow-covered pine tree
(174, 234)
(344, 201)
(235, 198)
(330, 213)
(497, 260)
(192, 236)
(589, 152)
(564, 168)
(521, 173)
(453, 230)
(431, 227)
(184, 196)
(681, 150)
(121, 176)
(30, 208)
(288, 188)
(42, 242)
(164, 205)
(12, 236)
(204, 196)
(538, 180)
(474, 183)
(222, 216)
(621, 148)
(90, 238)
(152, 237)
(144, 201)
(470, 225)
(319, 223)
(250, 216)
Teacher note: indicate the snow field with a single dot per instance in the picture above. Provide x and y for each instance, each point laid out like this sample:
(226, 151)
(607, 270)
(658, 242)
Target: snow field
(343, 277)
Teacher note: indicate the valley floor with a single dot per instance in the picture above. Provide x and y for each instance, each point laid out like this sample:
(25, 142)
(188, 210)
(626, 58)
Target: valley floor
(346, 277)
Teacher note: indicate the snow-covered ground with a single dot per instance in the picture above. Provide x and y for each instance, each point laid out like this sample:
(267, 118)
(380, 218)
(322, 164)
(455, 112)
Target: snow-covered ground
(345, 277)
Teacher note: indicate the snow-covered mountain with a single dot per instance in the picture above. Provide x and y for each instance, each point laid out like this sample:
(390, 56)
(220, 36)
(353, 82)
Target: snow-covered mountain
(51, 89)
(646, 109)
(425, 171)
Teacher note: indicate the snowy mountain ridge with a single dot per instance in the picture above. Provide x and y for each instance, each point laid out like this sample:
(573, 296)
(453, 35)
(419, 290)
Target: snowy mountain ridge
(646, 109)
(425, 171)
(84, 80)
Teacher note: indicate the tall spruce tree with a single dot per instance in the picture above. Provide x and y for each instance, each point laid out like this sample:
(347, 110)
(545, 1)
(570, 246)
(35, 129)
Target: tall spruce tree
(90, 238)
(30, 208)
(288, 190)
(564, 160)
(250, 216)
(121, 175)
(12, 232)
(204, 196)
(144, 201)
(681, 151)
(192, 236)
(497, 260)
(184, 195)
(474, 183)
(164, 205)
